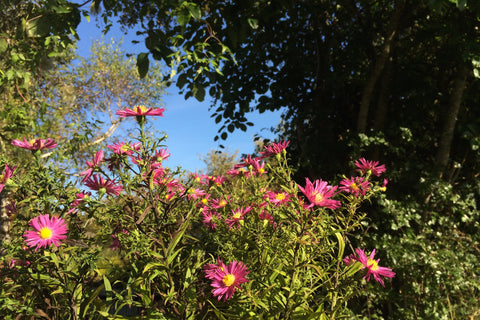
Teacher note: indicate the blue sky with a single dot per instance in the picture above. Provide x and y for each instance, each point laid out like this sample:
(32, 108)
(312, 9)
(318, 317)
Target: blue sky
(188, 124)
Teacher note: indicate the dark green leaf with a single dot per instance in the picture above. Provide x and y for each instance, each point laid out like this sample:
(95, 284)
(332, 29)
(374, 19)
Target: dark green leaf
(198, 92)
(142, 64)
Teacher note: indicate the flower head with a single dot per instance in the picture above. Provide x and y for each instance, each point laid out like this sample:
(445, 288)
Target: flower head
(47, 231)
(319, 194)
(37, 144)
(7, 174)
(96, 182)
(97, 159)
(372, 265)
(237, 216)
(226, 278)
(274, 148)
(278, 198)
(372, 167)
(140, 110)
(355, 185)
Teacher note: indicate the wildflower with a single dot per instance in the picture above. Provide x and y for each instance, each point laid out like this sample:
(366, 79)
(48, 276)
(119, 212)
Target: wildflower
(274, 148)
(373, 267)
(19, 262)
(96, 182)
(37, 144)
(237, 217)
(97, 159)
(219, 203)
(195, 193)
(225, 279)
(7, 174)
(123, 148)
(140, 110)
(80, 197)
(160, 155)
(47, 231)
(318, 193)
(369, 167)
(277, 198)
(355, 186)
(210, 217)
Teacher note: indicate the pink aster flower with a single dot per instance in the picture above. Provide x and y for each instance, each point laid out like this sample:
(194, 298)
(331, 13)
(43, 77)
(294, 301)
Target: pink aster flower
(97, 159)
(47, 231)
(160, 155)
(96, 182)
(219, 203)
(355, 186)
(225, 279)
(372, 167)
(237, 216)
(373, 268)
(37, 144)
(277, 198)
(140, 110)
(210, 218)
(80, 197)
(124, 148)
(319, 194)
(274, 148)
(7, 174)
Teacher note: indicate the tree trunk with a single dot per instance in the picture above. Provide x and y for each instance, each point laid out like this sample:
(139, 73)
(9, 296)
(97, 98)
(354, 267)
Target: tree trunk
(379, 66)
(448, 128)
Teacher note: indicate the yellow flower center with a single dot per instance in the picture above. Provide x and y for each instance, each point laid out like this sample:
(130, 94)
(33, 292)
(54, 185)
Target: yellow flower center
(237, 215)
(318, 197)
(46, 233)
(204, 200)
(354, 186)
(125, 147)
(280, 196)
(228, 280)
(373, 264)
(140, 109)
(261, 170)
(222, 203)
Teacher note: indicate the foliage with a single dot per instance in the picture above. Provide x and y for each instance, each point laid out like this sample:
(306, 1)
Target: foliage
(219, 162)
(86, 94)
(144, 241)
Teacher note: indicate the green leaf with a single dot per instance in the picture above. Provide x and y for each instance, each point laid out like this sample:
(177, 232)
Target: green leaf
(142, 64)
(253, 23)
(195, 11)
(3, 45)
(198, 92)
(341, 245)
(183, 19)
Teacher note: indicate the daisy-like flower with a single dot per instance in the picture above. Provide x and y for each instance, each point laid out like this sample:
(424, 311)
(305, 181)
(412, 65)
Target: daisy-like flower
(355, 186)
(274, 148)
(277, 198)
(225, 279)
(160, 155)
(96, 182)
(195, 193)
(210, 218)
(37, 144)
(373, 268)
(7, 174)
(47, 231)
(80, 197)
(319, 194)
(219, 203)
(237, 216)
(141, 111)
(369, 167)
(97, 159)
(124, 148)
